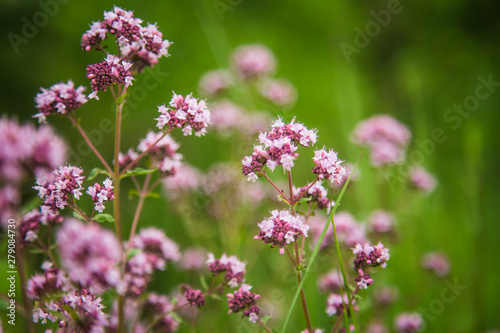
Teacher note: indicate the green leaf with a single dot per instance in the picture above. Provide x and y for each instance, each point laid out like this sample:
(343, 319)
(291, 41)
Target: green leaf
(132, 253)
(204, 283)
(97, 171)
(137, 172)
(102, 217)
(133, 193)
(176, 317)
(265, 319)
(78, 216)
(121, 98)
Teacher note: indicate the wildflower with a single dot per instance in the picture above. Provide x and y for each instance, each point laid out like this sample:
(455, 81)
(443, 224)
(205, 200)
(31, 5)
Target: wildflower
(436, 262)
(30, 223)
(328, 166)
(409, 322)
(385, 295)
(160, 304)
(53, 280)
(381, 221)
(363, 280)
(385, 136)
(244, 300)
(127, 158)
(317, 193)
(193, 259)
(156, 249)
(55, 188)
(214, 82)
(109, 72)
(91, 263)
(60, 98)
(164, 153)
(335, 304)
(227, 116)
(279, 92)
(194, 297)
(370, 256)
(330, 282)
(281, 229)
(252, 61)
(185, 112)
(253, 165)
(186, 179)
(100, 194)
(376, 327)
(422, 180)
(233, 269)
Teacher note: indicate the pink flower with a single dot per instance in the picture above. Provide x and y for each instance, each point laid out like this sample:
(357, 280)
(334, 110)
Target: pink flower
(185, 112)
(52, 281)
(109, 72)
(331, 281)
(227, 116)
(386, 295)
(30, 223)
(244, 301)
(194, 297)
(187, 178)
(335, 304)
(55, 188)
(61, 98)
(127, 158)
(164, 154)
(251, 61)
(422, 180)
(214, 82)
(193, 259)
(385, 136)
(328, 166)
(281, 229)
(279, 92)
(89, 254)
(381, 221)
(436, 262)
(370, 256)
(409, 322)
(317, 193)
(101, 194)
(233, 269)
(159, 304)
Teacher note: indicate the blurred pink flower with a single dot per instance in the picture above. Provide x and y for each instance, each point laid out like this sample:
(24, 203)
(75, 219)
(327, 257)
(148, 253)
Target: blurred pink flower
(251, 61)
(280, 92)
(409, 322)
(436, 262)
(214, 82)
(422, 180)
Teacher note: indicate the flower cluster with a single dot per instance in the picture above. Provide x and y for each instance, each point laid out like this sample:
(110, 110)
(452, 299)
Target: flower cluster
(194, 297)
(109, 72)
(328, 166)
(331, 281)
(61, 98)
(233, 269)
(159, 304)
(436, 262)
(381, 221)
(385, 136)
(55, 188)
(214, 82)
(164, 153)
(277, 148)
(252, 61)
(89, 254)
(52, 280)
(27, 150)
(100, 194)
(140, 45)
(366, 258)
(422, 180)
(317, 193)
(244, 301)
(30, 223)
(349, 231)
(185, 112)
(281, 229)
(280, 92)
(78, 311)
(155, 249)
(125, 159)
(409, 323)
(184, 180)
(335, 304)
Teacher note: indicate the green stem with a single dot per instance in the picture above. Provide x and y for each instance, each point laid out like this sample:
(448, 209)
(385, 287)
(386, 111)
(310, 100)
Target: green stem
(339, 320)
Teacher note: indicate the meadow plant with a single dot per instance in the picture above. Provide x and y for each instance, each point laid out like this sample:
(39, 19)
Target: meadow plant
(95, 280)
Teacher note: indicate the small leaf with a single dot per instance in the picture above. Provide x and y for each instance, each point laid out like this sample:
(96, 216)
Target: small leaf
(359, 298)
(138, 172)
(204, 283)
(176, 317)
(102, 217)
(121, 98)
(217, 297)
(298, 268)
(132, 253)
(265, 319)
(97, 171)
(305, 199)
(78, 216)
(36, 251)
(281, 198)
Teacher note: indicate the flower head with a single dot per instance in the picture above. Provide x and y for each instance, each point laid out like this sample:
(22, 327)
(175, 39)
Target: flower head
(52, 280)
(279, 92)
(251, 61)
(244, 301)
(57, 187)
(422, 180)
(100, 194)
(381, 221)
(436, 262)
(164, 153)
(214, 82)
(281, 229)
(61, 98)
(109, 72)
(409, 322)
(185, 112)
(233, 269)
(370, 256)
(328, 166)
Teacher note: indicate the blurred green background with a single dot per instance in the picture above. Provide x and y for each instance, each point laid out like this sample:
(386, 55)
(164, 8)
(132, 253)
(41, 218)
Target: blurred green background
(424, 61)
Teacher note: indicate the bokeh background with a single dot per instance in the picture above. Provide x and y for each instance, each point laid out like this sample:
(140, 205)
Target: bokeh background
(428, 58)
